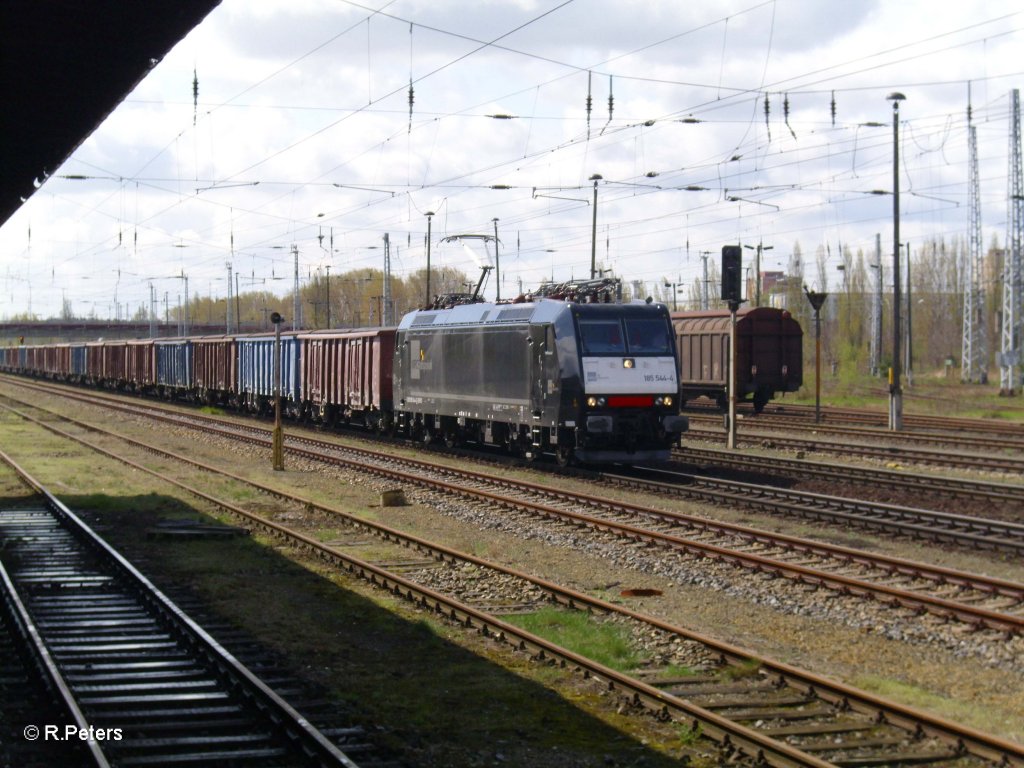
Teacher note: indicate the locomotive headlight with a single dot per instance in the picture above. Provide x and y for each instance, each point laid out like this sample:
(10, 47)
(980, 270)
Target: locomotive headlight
(628, 362)
(667, 400)
(591, 402)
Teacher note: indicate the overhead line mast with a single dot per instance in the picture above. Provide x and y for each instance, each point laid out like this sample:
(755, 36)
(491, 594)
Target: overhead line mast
(1010, 352)
(974, 345)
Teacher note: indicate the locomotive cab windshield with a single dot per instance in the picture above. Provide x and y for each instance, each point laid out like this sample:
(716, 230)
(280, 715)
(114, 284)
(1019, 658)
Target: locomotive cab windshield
(641, 336)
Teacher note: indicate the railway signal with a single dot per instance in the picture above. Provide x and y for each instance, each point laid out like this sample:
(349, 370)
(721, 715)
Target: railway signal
(817, 302)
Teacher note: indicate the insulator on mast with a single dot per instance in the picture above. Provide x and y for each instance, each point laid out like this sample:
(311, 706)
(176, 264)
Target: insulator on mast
(590, 101)
(785, 112)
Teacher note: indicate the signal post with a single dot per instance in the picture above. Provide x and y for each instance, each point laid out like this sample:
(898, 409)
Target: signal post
(277, 438)
(732, 294)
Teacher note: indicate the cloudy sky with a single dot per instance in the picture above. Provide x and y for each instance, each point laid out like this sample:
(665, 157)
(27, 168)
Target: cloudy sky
(302, 135)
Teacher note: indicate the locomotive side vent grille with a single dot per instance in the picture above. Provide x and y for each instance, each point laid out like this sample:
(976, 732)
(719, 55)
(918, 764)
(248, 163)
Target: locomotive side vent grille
(517, 313)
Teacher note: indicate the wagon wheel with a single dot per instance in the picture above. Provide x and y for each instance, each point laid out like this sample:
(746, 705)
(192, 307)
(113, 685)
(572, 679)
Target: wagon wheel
(386, 426)
(452, 439)
(761, 398)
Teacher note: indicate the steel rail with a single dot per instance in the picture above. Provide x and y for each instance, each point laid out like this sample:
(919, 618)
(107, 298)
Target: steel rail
(300, 732)
(879, 418)
(989, 463)
(733, 736)
(417, 475)
(779, 424)
(948, 486)
(922, 455)
(47, 667)
(835, 415)
(917, 523)
(962, 739)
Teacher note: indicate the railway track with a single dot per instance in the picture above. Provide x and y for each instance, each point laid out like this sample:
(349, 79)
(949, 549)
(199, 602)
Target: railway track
(835, 414)
(881, 448)
(963, 530)
(1008, 495)
(144, 682)
(977, 600)
(756, 710)
(37, 699)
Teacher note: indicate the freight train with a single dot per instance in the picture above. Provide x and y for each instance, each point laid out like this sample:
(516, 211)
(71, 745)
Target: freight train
(769, 354)
(590, 382)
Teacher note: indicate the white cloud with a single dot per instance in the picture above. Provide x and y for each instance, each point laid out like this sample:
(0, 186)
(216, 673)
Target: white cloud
(302, 95)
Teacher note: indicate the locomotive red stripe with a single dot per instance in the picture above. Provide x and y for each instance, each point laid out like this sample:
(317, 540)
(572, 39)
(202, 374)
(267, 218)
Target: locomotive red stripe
(631, 401)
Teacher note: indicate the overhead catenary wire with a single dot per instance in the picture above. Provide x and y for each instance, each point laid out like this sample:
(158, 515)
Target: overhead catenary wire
(624, 133)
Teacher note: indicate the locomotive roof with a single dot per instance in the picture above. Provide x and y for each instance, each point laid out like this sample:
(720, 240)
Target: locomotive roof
(540, 311)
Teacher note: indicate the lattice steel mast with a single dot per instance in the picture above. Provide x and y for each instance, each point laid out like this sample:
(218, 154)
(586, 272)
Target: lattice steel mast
(974, 353)
(1010, 349)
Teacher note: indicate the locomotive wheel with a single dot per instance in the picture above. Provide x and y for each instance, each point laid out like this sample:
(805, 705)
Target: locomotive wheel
(564, 455)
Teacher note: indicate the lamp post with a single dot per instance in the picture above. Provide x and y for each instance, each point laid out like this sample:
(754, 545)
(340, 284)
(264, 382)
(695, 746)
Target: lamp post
(430, 216)
(675, 295)
(757, 270)
(895, 390)
(277, 439)
(593, 230)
